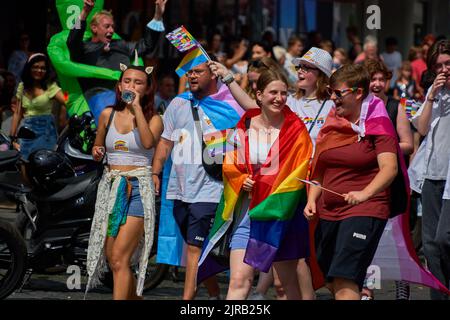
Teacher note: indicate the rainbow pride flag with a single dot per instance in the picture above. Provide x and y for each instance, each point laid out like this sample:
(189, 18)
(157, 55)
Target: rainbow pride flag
(182, 39)
(276, 198)
(395, 256)
(193, 58)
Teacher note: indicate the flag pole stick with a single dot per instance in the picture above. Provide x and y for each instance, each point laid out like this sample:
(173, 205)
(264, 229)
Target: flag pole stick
(203, 50)
(319, 186)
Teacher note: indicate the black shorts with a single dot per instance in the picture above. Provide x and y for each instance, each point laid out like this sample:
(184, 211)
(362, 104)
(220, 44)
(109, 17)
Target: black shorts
(345, 249)
(194, 220)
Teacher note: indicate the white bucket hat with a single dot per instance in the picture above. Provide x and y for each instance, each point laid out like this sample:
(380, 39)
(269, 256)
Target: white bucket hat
(319, 58)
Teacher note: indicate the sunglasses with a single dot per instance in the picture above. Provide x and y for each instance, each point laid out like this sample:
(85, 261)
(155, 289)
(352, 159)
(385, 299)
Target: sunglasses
(256, 64)
(305, 68)
(340, 93)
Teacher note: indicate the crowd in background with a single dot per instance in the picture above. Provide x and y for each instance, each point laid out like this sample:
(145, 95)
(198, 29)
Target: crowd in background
(403, 76)
(409, 71)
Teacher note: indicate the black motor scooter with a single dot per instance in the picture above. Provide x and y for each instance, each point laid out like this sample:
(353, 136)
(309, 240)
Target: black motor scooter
(53, 218)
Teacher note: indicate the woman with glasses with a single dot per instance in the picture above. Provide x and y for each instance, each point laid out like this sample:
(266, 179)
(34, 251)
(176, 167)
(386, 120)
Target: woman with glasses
(356, 157)
(429, 172)
(36, 95)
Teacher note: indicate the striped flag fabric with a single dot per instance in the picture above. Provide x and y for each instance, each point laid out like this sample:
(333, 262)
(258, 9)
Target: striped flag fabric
(223, 112)
(182, 39)
(411, 107)
(395, 256)
(193, 58)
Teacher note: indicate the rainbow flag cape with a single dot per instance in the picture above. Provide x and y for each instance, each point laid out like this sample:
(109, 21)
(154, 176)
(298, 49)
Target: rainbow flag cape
(395, 256)
(224, 112)
(194, 57)
(278, 198)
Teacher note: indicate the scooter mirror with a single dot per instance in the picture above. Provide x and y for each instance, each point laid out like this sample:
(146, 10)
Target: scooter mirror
(26, 133)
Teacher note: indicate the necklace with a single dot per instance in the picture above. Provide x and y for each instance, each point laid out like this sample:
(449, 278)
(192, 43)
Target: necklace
(269, 131)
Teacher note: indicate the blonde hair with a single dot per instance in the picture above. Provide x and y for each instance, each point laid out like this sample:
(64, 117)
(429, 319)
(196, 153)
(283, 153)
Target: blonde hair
(96, 17)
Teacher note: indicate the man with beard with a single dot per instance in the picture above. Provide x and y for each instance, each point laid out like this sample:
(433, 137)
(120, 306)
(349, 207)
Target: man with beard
(102, 50)
(196, 194)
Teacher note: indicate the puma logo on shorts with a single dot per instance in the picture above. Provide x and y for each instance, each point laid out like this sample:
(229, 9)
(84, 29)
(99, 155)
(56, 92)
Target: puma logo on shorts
(359, 236)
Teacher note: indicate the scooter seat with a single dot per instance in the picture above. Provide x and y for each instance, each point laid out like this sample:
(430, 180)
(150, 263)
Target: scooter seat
(8, 158)
(11, 181)
(74, 187)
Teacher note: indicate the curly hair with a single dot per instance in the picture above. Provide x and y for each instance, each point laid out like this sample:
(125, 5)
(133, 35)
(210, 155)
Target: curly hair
(375, 66)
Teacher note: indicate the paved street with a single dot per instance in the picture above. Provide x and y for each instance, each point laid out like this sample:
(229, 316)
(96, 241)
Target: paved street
(54, 287)
(43, 287)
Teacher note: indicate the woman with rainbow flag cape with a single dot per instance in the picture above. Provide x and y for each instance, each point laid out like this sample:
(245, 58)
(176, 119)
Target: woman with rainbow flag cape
(262, 200)
(356, 156)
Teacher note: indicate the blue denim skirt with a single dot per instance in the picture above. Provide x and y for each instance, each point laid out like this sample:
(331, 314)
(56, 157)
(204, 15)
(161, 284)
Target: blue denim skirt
(46, 135)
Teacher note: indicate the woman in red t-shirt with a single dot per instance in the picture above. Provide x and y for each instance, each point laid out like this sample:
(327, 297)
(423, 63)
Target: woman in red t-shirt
(360, 165)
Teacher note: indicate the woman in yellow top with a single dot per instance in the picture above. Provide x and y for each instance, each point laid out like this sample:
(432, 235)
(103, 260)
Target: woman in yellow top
(35, 97)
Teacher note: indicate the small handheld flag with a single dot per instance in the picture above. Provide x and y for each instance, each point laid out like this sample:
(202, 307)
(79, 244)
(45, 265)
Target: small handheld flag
(184, 41)
(316, 184)
(411, 108)
(191, 59)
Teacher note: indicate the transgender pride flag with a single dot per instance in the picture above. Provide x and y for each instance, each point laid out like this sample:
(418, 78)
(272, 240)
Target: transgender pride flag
(184, 41)
(395, 256)
(224, 112)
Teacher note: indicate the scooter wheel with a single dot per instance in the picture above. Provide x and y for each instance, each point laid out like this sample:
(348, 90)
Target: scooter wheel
(13, 259)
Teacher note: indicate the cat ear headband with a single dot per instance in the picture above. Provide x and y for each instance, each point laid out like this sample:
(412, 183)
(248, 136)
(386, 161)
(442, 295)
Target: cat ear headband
(135, 65)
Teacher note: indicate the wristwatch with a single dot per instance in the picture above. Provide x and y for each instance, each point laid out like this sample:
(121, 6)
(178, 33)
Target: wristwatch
(228, 78)
(432, 100)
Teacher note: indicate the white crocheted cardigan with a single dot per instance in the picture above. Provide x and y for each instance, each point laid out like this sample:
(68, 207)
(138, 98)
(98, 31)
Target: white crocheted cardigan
(106, 196)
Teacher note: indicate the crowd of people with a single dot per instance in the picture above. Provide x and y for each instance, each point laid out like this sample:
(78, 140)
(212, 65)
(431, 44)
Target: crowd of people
(303, 107)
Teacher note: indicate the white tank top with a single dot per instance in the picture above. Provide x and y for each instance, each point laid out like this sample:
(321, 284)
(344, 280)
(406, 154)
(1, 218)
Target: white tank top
(126, 149)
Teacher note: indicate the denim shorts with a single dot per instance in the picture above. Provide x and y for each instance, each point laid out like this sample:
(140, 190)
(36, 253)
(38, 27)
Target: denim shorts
(46, 136)
(135, 208)
(241, 234)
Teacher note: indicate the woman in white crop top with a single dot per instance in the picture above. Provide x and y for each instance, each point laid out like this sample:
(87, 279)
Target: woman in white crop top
(125, 211)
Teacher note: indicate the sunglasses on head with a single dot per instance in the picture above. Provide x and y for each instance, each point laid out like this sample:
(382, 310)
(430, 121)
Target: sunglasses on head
(340, 93)
(256, 64)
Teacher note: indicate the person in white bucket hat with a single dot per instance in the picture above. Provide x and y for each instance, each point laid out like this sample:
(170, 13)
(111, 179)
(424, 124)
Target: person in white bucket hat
(319, 58)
